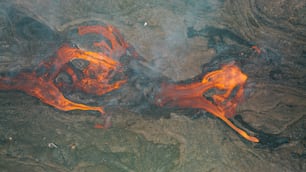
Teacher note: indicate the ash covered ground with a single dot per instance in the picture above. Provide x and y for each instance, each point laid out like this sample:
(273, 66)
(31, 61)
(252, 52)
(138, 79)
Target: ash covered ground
(179, 40)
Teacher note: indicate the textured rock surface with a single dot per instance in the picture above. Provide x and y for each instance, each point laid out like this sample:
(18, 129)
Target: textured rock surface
(275, 103)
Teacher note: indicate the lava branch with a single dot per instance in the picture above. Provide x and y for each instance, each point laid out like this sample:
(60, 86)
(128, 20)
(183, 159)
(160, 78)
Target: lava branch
(223, 105)
(95, 79)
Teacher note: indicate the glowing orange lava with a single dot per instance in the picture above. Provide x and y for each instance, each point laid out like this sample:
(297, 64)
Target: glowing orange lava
(97, 78)
(226, 80)
(94, 78)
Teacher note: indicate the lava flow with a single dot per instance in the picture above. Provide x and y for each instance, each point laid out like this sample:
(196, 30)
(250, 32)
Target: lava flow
(228, 80)
(99, 76)
(95, 78)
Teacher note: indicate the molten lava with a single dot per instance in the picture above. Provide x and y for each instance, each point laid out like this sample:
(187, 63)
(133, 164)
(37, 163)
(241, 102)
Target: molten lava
(95, 78)
(228, 80)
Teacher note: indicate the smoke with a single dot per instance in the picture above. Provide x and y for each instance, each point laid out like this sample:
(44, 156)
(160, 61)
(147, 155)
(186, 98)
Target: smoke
(36, 38)
(169, 49)
(165, 41)
(24, 41)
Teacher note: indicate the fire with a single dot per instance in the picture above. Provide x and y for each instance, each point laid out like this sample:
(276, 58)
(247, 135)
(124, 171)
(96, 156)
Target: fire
(95, 78)
(227, 80)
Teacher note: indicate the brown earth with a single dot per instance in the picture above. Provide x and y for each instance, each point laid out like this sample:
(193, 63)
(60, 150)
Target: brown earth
(37, 137)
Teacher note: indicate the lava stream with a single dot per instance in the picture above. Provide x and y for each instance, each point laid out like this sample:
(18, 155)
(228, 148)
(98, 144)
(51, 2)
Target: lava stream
(223, 106)
(95, 78)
